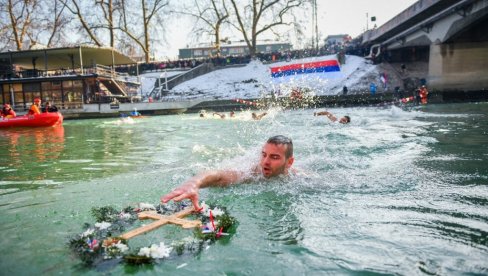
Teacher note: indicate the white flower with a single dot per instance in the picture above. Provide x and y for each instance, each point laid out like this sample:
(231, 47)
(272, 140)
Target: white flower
(88, 232)
(205, 209)
(145, 251)
(125, 216)
(155, 251)
(146, 206)
(122, 247)
(103, 225)
(217, 212)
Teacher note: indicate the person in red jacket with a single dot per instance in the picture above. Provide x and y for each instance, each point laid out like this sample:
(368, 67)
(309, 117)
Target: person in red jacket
(8, 112)
(423, 94)
(36, 107)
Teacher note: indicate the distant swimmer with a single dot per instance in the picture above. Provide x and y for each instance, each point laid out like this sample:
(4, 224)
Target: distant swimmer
(258, 117)
(203, 113)
(343, 120)
(135, 113)
(232, 114)
(222, 116)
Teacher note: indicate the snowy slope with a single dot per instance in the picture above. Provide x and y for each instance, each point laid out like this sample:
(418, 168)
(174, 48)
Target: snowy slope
(254, 80)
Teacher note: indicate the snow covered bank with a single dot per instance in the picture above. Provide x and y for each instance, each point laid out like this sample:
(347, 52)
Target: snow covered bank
(254, 80)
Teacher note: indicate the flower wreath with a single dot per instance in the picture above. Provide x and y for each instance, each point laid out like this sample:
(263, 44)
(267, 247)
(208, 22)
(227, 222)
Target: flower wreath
(102, 242)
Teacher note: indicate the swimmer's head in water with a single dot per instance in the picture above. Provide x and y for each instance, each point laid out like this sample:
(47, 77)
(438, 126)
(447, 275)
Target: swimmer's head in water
(345, 120)
(282, 140)
(276, 156)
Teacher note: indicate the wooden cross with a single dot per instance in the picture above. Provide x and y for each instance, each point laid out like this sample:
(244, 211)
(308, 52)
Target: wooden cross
(162, 220)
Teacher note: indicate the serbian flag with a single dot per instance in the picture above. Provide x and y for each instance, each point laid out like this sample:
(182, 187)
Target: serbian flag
(303, 69)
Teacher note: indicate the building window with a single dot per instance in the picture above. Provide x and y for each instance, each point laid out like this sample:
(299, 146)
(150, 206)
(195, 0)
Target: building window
(239, 50)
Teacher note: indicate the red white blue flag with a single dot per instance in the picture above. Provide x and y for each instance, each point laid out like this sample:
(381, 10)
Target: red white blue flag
(316, 67)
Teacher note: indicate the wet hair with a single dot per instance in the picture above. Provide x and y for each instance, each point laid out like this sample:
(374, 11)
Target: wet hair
(348, 119)
(282, 140)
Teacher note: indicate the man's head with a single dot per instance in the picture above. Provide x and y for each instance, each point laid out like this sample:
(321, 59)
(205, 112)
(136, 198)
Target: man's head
(345, 120)
(277, 156)
(6, 106)
(37, 101)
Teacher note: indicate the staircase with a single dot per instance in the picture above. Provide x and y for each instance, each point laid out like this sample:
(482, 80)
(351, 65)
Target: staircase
(159, 91)
(113, 87)
(394, 76)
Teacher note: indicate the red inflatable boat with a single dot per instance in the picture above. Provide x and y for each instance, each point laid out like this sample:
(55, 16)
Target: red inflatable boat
(38, 120)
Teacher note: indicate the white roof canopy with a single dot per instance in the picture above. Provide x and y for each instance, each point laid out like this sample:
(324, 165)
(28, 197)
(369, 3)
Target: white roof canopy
(69, 57)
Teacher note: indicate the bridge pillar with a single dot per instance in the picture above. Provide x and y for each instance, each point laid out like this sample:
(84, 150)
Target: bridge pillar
(458, 66)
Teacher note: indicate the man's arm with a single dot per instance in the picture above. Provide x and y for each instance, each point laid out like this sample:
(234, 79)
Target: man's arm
(260, 116)
(326, 113)
(222, 116)
(189, 189)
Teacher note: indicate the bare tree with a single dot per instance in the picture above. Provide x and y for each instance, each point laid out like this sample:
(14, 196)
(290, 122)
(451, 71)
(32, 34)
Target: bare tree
(108, 13)
(260, 16)
(149, 14)
(20, 15)
(210, 16)
(54, 23)
(28, 23)
(75, 8)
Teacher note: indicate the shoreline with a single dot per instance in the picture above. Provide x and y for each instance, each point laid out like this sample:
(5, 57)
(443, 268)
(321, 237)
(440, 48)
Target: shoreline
(195, 105)
(352, 100)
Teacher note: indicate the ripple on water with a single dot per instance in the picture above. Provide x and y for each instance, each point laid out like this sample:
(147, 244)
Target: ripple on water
(389, 193)
(76, 161)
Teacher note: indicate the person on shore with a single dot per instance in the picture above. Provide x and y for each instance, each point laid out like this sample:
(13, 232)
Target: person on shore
(258, 117)
(296, 94)
(49, 108)
(416, 94)
(8, 112)
(35, 107)
(423, 92)
(276, 159)
(343, 120)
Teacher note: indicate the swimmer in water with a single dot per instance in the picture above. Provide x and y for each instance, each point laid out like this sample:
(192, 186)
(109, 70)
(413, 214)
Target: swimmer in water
(343, 120)
(258, 117)
(276, 159)
(222, 116)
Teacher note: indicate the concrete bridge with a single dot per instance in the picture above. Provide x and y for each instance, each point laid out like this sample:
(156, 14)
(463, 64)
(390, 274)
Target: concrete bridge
(448, 35)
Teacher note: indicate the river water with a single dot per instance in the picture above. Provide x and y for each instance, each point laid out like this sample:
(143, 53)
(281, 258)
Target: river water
(394, 192)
